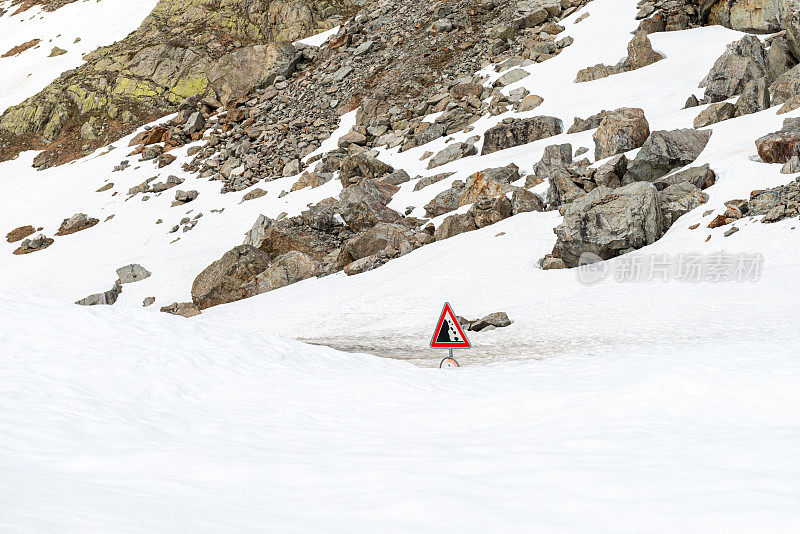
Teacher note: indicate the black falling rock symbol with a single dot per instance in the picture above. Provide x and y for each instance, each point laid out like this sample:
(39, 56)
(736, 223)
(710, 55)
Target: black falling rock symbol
(448, 333)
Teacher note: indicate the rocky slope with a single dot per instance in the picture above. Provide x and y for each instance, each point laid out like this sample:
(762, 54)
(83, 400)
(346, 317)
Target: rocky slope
(184, 49)
(414, 123)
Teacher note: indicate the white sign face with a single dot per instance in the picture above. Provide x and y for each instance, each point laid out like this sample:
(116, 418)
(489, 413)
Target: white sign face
(449, 362)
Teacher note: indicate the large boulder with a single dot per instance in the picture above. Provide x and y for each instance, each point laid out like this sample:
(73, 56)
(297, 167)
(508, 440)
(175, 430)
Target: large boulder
(664, 151)
(621, 130)
(488, 211)
(786, 86)
(287, 269)
(701, 177)
(489, 183)
(451, 153)
(717, 112)
(223, 280)
(446, 201)
(373, 240)
(743, 61)
(454, 225)
(756, 16)
(780, 146)
(755, 97)
(609, 223)
(237, 73)
(515, 132)
(364, 205)
(358, 166)
(679, 199)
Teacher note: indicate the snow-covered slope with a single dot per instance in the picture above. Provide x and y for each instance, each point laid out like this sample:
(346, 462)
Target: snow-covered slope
(115, 422)
(78, 28)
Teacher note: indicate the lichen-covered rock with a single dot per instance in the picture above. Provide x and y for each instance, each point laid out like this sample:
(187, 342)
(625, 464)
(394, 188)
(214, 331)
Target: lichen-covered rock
(609, 223)
(177, 53)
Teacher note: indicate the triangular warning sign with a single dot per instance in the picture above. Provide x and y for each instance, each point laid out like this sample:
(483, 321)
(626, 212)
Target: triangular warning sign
(448, 333)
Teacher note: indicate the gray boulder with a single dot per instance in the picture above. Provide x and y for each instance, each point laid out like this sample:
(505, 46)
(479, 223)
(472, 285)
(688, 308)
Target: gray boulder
(364, 205)
(678, 200)
(446, 201)
(717, 112)
(664, 151)
(701, 177)
(488, 211)
(609, 223)
(287, 269)
(358, 166)
(497, 320)
(515, 132)
(523, 201)
(451, 153)
(743, 61)
(620, 131)
(454, 225)
(223, 280)
(755, 97)
(373, 240)
(132, 273)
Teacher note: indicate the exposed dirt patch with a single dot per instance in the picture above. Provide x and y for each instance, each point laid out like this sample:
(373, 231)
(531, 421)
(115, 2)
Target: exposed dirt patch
(47, 5)
(18, 234)
(17, 50)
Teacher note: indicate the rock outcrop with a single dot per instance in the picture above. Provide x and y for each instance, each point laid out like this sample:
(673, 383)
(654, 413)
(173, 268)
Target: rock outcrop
(184, 49)
(609, 223)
